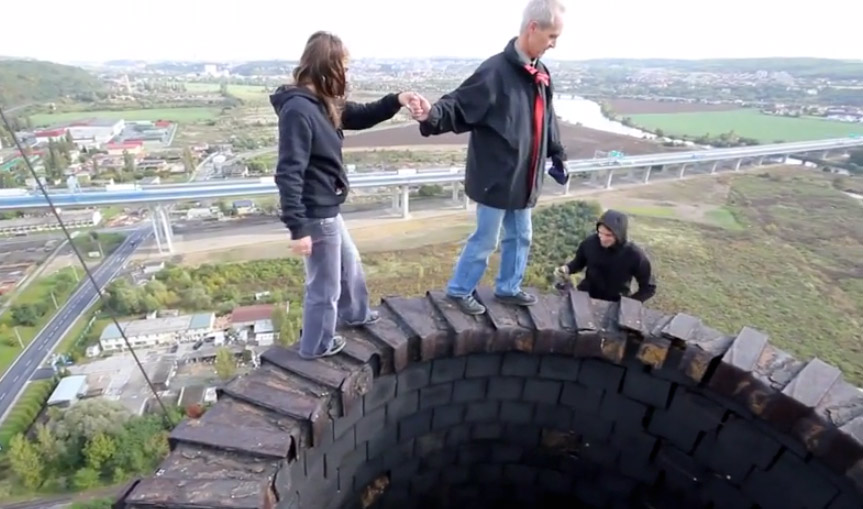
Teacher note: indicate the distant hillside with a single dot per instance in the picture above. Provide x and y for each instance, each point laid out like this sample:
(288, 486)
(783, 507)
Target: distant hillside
(265, 68)
(801, 67)
(26, 81)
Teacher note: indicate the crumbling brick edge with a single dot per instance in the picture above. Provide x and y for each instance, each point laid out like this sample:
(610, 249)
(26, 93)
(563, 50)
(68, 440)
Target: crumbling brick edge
(715, 419)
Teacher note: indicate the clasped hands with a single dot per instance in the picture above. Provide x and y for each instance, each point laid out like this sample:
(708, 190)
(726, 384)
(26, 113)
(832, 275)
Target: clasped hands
(418, 105)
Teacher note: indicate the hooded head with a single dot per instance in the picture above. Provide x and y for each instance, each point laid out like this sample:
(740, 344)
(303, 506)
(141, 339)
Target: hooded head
(612, 228)
(322, 71)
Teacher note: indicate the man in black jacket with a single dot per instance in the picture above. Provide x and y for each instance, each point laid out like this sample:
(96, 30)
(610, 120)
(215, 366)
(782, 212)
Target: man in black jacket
(506, 105)
(612, 261)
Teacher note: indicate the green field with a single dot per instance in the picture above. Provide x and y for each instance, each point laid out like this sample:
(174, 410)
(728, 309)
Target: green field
(179, 115)
(248, 93)
(746, 123)
(39, 292)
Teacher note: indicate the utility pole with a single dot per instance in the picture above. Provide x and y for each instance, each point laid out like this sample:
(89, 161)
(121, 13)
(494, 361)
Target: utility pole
(56, 306)
(18, 335)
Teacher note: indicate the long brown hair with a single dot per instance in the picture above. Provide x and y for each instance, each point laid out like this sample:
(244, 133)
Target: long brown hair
(323, 67)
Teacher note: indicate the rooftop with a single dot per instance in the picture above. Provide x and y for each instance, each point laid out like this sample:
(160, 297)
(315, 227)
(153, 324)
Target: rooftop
(161, 325)
(248, 314)
(68, 389)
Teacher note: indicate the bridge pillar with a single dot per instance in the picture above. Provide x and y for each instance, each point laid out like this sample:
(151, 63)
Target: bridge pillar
(608, 179)
(166, 228)
(825, 154)
(682, 171)
(405, 192)
(737, 165)
(455, 191)
(396, 199)
(156, 227)
(647, 175)
(714, 167)
(760, 161)
(566, 186)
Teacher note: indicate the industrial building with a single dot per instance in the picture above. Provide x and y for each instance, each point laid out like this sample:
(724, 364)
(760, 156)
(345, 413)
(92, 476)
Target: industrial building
(68, 391)
(94, 133)
(71, 218)
(152, 332)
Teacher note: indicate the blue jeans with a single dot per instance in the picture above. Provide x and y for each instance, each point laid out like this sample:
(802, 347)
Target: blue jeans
(335, 285)
(514, 250)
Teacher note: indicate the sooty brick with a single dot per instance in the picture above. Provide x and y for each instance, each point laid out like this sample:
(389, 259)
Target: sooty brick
(465, 391)
(448, 370)
(435, 395)
(559, 368)
(413, 377)
(519, 364)
(509, 388)
(481, 366)
(542, 391)
(447, 416)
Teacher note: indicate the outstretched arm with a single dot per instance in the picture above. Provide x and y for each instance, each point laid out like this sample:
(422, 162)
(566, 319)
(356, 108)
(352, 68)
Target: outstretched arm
(357, 116)
(644, 278)
(295, 144)
(463, 108)
(578, 263)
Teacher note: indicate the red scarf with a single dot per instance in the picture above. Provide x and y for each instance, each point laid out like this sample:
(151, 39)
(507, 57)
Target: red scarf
(540, 78)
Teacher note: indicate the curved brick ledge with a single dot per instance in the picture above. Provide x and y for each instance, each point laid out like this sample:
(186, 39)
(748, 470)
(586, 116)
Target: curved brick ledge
(569, 403)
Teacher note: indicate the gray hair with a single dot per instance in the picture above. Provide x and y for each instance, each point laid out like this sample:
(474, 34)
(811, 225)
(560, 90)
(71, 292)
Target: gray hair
(544, 12)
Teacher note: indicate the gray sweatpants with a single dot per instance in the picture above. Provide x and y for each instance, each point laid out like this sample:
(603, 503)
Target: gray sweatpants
(335, 286)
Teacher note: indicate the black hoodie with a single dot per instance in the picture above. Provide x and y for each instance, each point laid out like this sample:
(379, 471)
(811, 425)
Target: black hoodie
(495, 105)
(310, 175)
(610, 270)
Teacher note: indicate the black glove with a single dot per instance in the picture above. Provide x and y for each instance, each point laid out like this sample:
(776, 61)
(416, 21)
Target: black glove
(558, 171)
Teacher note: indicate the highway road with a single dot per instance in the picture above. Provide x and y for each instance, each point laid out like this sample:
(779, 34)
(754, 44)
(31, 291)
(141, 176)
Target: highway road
(266, 186)
(83, 297)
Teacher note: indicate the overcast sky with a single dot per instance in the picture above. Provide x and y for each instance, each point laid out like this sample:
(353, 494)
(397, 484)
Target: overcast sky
(98, 30)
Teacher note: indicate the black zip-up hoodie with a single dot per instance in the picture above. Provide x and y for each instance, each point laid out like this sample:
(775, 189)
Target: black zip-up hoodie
(610, 270)
(310, 175)
(496, 105)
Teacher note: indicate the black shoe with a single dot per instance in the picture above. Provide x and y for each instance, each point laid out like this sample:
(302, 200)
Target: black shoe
(519, 299)
(468, 305)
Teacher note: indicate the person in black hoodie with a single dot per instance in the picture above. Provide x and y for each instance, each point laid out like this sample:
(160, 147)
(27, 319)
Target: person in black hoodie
(506, 105)
(612, 261)
(312, 185)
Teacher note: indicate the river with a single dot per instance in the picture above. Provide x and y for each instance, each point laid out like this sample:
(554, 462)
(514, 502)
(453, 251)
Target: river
(577, 110)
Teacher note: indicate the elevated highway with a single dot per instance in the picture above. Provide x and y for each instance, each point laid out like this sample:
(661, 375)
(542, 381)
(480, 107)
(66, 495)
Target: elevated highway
(599, 172)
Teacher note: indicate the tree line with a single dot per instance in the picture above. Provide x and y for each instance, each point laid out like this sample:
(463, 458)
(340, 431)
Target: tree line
(94, 442)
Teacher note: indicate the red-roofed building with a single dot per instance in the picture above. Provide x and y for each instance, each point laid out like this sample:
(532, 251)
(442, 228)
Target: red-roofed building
(245, 316)
(163, 123)
(51, 134)
(132, 147)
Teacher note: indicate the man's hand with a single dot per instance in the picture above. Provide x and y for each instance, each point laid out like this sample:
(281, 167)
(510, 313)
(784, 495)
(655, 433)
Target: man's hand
(558, 171)
(302, 247)
(561, 277)
(420, 108)
(417, 104)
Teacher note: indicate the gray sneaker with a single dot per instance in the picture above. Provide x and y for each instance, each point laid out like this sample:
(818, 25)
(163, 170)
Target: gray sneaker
(468, 304)
(336, 346)
(519, 299)
(373, 317)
